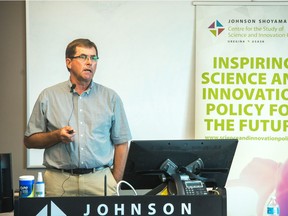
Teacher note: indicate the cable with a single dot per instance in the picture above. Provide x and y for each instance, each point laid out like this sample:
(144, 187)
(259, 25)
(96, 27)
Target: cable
(121, 182)
(72, 111)
(214, 191)
(72, 92)
(63, 185)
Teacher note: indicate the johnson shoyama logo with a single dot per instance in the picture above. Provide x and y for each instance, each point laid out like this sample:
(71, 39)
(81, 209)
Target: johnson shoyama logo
(216, 28)
(54, 210)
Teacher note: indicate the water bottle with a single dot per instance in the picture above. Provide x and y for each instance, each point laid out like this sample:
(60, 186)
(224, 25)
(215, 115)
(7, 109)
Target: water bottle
(273, 208)
(40, 186)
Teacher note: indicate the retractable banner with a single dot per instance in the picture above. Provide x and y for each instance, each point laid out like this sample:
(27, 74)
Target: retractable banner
(242, 92)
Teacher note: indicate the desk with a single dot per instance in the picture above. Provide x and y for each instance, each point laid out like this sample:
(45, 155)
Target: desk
(7, 214)
(123, 205)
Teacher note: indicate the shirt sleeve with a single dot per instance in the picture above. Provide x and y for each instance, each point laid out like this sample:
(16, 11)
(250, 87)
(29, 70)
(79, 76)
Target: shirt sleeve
(120, 131)
(37, 120)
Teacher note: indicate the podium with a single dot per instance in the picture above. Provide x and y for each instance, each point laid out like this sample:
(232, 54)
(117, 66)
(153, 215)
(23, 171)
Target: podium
(199, 205)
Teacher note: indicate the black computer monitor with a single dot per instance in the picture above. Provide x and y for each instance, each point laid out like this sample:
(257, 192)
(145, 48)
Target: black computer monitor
(145, 158)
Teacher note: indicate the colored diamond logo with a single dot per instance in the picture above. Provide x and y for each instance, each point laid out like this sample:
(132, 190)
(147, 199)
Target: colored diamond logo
(216, 28)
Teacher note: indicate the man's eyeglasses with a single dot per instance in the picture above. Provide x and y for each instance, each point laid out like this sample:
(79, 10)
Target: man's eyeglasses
(84, 57)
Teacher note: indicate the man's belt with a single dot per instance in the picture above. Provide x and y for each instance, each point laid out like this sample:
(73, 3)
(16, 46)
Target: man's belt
(81, 171)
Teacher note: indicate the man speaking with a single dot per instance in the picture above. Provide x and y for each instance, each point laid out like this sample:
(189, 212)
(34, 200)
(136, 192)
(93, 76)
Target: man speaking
(83, 128)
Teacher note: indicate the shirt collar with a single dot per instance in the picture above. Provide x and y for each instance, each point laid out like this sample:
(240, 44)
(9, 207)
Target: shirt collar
(90, 87)
(70, 85)
(87, 90)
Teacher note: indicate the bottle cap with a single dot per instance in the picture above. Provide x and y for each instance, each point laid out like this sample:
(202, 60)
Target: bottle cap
(39, 178)
(26, 178)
